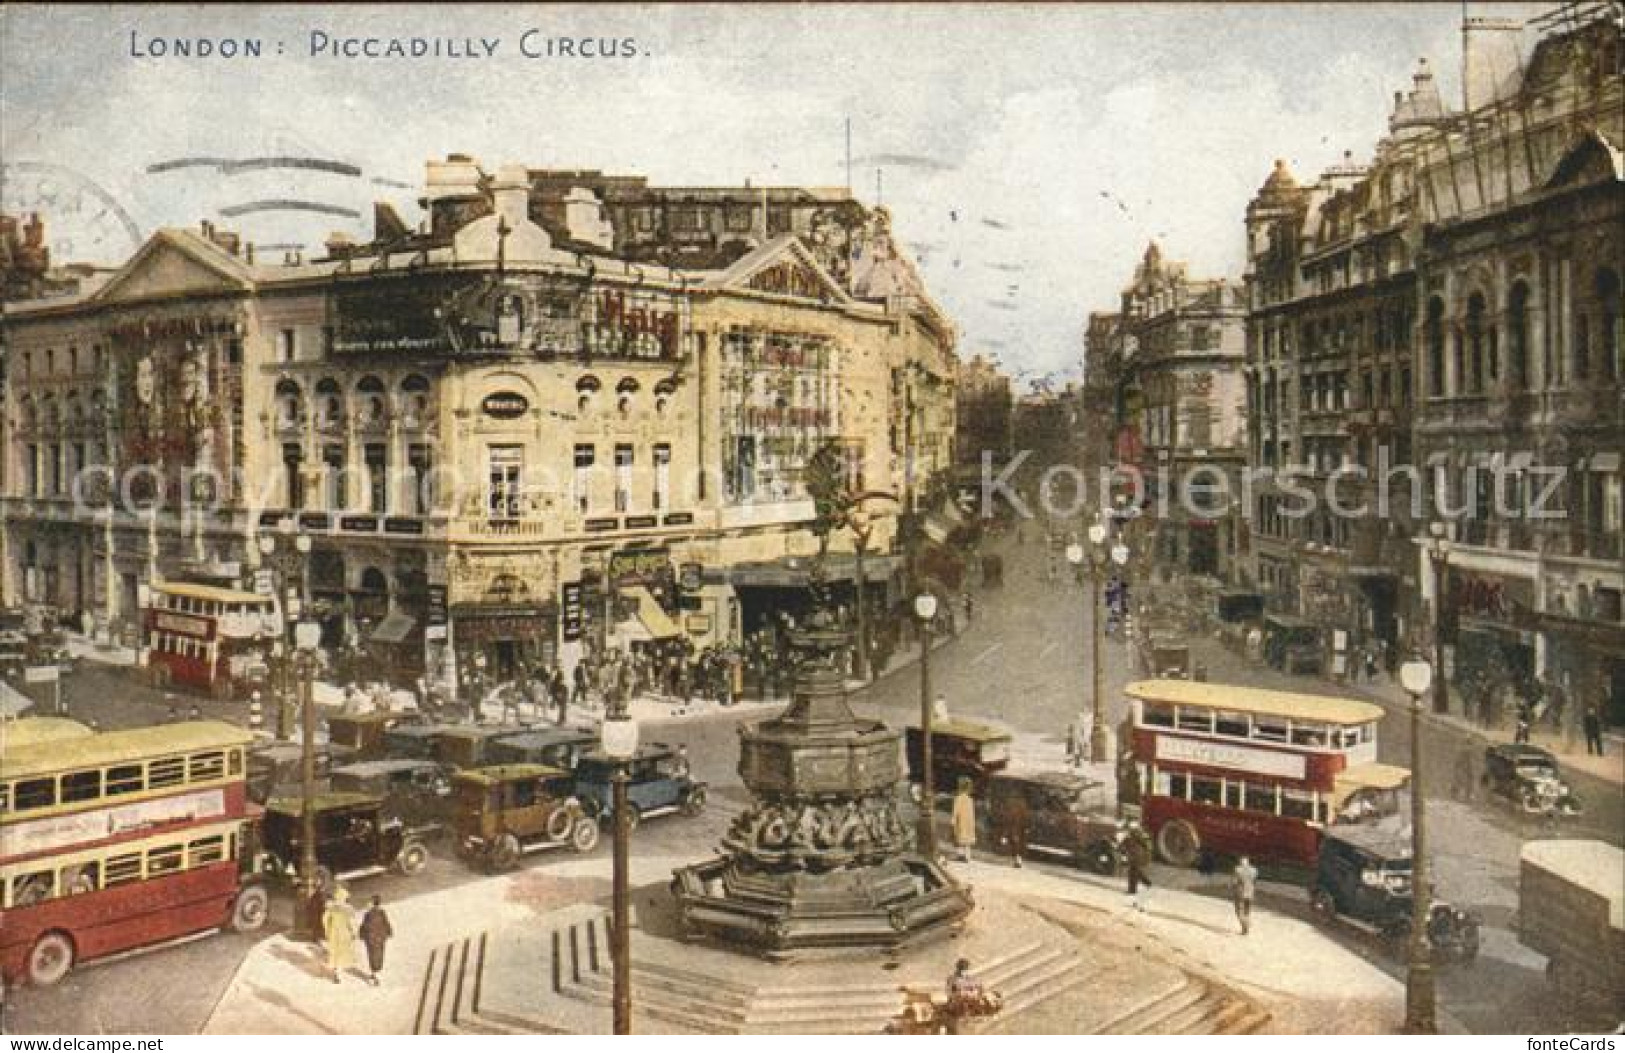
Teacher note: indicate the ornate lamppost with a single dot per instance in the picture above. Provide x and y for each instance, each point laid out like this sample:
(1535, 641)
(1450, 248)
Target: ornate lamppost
(1096, 559)
(286, 551)
(1437, 547)
(307, 637)
(925, 608)
(619, 739)
(1416, 676)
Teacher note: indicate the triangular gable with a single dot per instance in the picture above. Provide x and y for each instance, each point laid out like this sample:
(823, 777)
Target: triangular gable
(1590, 159)
(175, 263)
(783, 267)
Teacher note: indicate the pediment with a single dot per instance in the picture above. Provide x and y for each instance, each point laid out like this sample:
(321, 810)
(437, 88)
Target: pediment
(170, 265)
(784, 267)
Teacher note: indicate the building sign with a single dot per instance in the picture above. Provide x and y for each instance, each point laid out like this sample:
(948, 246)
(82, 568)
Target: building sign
(505, 405)
(478, 627)
(437, 605)
(641, 522)
(1232, 758)
(99, 824)
(1483, 596)
(640, 566)
(571, 603)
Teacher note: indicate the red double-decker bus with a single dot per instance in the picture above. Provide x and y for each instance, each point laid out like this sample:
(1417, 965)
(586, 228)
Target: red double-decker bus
(1233, 770)
(209, 638)
(120, 840)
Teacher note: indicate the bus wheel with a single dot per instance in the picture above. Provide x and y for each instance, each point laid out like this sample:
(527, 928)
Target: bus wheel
(584, 838)
(504, 854)
(50, 960)
(413, 858)
(1178, 843)
(248, 913)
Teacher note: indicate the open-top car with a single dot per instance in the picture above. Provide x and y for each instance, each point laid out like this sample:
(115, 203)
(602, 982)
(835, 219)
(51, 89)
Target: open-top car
(1363, 879)
(505, 811)
(1066, 814)
(659, 784)
(1527, 777)
(415, 791)
(960, 749)
(355, 837)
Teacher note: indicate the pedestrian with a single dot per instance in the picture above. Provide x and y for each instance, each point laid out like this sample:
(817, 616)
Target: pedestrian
(1137, 854)
(1242, 886)
(1593, 730)
(375, 934)
(1074, 742)
(1464, 781)
(680, 767)
(1016, 817)
(194, 713)
(579, 674)
(1370, 664)
(560, 692)
(964, 820)
(1525, 718)
(338, 932)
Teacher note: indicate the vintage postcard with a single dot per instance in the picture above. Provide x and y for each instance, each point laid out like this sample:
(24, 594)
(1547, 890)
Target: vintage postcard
(690, 519)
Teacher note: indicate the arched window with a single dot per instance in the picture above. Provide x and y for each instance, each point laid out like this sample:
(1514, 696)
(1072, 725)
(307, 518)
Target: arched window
(1477, 338)
(370, 396)
(329, 403)
(1518, 337)
(415, 400)
(586, 388)
(1434, 334)
(1610, 330)
(624, 390)
(289, 404)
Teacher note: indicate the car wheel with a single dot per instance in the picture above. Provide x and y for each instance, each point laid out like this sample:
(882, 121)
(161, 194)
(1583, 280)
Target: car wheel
(584, 838)
(50, 960)
(1100, 858)
(413, 858)
(1179, 844)
(1322, 903)
(251, 908)
(504, 853)
(560, 823)
(694, 803)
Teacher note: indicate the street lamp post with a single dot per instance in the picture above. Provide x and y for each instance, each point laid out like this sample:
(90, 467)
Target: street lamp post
(286, 552)
(306, 926)
(925, 608)
(1416, 676)
(1438, 551)
(619, 738)
(1075, 553)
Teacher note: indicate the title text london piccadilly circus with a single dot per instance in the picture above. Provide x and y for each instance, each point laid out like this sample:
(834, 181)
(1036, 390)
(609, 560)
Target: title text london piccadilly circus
(532, 43)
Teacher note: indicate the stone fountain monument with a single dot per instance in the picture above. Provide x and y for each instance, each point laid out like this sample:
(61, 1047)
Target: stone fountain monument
(821, 859)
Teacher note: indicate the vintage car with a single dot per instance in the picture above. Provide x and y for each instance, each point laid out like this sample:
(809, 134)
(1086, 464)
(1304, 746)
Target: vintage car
(355, 837)
(414, 741)
(1527, 777)
(415, 791)
(960, 749)
(659, 784)
(467, 745)
(362, 733)
(557, 747)
(506, 811)
(1066, 815)
(1363, 879)
(277, 768)
(1166, 656)
(1293, 645)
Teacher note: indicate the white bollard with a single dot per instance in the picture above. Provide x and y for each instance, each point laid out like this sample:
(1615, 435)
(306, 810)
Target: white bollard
(256, 714)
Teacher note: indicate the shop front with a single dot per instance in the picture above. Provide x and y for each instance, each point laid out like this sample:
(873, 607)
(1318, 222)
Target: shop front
(497, 643)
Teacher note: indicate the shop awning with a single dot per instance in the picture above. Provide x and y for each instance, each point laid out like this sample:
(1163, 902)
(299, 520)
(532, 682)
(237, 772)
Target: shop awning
(653, 616)
(394, 629)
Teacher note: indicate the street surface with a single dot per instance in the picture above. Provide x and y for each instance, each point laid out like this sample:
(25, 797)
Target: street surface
(1022, 662)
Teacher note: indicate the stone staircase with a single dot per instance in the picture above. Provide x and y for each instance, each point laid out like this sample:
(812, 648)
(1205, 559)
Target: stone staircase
(1197, 1007)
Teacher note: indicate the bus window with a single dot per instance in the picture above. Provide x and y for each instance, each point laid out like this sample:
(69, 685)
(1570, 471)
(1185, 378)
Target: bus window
(165, 860)
(1195, 719)
(234, 762)
(1298, 804)
(1269, 729)
(29, 889)
(1157, 715)
(171, 771)
(205, 851)
(121, 870)
(81, 786)
(1235, 725)
(5, 797)
(1348, 738)
(1308, 734)
(1233, 793)
(206, 766)
(77, 880)
(34, 793)
(1260, 798)
(125, 778)
(1206, 791)
(1171, 784)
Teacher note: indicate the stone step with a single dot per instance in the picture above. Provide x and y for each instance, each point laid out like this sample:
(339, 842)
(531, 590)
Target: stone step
(1043, 984)
(1190, 1019)
(1133, 1021)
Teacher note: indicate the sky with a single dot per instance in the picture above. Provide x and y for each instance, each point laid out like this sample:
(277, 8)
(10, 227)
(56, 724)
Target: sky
(1027, 153)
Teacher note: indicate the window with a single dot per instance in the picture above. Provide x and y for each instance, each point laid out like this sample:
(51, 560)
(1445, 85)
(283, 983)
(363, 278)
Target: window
(377, 478)
(524, 794)
(1207, 791)
(171, 771)
(623, 476)
(287, 346)
(584, 457)
(29, 889)
(78, 880)
(1234, 725)
(662, 455)
(1173, 784)
(205, 851)
(205, 766)
(1518, 337)
(34, 793)
(124, 778)
(505, 464)
(333, 477)
(1157, 716)
(1270, 729)
(420, 462)
(1308, 735)
(165, 860)
(1260, 798)
(81, 786)
(1433, 333)
(1297, 804)
(121, 870)
(1192, 718)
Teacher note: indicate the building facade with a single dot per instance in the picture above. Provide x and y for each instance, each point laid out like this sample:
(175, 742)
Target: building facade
(510, 443)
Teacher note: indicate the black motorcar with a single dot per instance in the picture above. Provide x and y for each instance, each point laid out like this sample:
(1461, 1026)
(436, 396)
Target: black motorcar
(415, 791)
(1527, 777)
(1065, 814)
(355, 837)
(659, 784)
(1363, 879)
